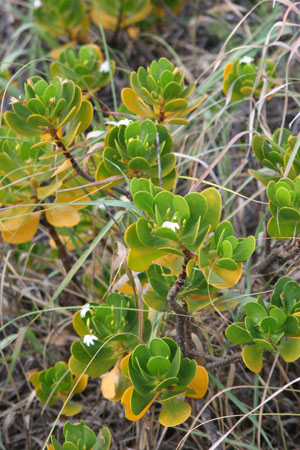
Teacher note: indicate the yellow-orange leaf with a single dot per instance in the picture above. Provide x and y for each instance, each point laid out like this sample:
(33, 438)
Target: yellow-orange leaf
(63, 216)
(199, 383)
(132, 101)
(24, 232)
(82, 383)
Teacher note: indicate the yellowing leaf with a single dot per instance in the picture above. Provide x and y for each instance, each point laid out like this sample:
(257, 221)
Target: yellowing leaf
(132, 101)
(124, 365)
(199, 383)
(174, 412)
(222, 278)
(79, 326)
(173, 262)
(13, 217)
(253, 357)
(25, 232)
(228, 69)
(82, 383)
(64, 166)
(109, 383)
(70, 409)
(63, 216)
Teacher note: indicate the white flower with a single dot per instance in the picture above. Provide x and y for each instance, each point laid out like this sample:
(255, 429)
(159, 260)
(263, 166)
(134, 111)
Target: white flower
(104, 68)
(13, 100)
(120, 122)
(37, 4)
(172, 225)
(246, 59)
(84, 310)
(89, 339)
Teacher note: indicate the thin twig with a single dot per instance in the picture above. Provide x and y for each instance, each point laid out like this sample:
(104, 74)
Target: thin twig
(181, 313)
(224, 361)
(68, 156)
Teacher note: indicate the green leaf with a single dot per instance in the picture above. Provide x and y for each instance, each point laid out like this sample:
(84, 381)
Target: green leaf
(264, 344)
(255, 312)
(158, 366)
(288, 213)
(278, 315)
(20, 126)
(269, 325)
(139, 401)
(244, 249)
(237, 333)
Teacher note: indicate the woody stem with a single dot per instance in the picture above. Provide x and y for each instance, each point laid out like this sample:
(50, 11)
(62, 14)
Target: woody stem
(68, 156)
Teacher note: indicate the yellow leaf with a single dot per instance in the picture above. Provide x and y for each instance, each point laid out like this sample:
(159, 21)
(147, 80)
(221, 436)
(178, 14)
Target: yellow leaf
(108, 384)
(124, 366)
(24, 232)
(199, 383)
(114, 384)
(173, 262)
(63, 216)
(229, 277)
(13, 217)
(45, 191)
(132, 101)
(174, 412)
(82, 384)
(79, 326)
(34, 379)
(64, 166)
(70, 409)
(228, 69)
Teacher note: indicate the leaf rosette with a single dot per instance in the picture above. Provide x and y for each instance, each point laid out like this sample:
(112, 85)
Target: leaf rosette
(159, 93)
(241, 76)
(86, 67)
(56, 383)
(284, 204)
(133, 151)
(272, 327)
(120, 13)
(275, 155)
(63, 18)
(185, 226)
(113, 327)
(50, 110)
(159, 372)
(80, 437)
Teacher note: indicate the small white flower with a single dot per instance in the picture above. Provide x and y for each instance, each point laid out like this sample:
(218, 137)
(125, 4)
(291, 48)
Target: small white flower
(13, 100)
(104, 68)
(37, 4)
(89, 339)
(120, 122)
(246, 59)
(172, 225)
(84, 310)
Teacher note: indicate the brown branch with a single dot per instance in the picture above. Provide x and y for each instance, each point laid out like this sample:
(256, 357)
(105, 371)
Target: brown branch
(181, 313)
(68, 156)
